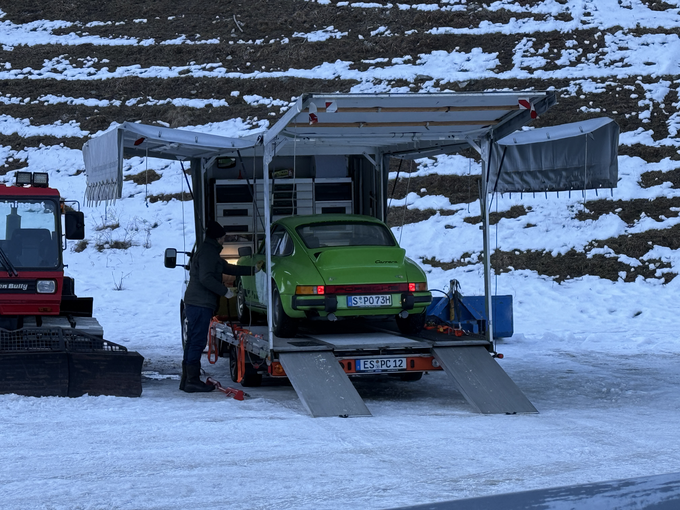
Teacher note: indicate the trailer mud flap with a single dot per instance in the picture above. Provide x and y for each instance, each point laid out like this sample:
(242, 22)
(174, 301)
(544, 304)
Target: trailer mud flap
(482, 381)
(322, 385)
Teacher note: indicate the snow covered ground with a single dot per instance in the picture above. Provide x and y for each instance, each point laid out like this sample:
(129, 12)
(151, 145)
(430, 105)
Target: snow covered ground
(600, 360)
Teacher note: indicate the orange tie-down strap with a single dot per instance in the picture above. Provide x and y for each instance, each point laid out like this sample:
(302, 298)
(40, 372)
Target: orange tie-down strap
(239, 333)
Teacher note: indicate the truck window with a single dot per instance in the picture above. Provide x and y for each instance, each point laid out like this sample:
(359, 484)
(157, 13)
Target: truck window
(28, 232)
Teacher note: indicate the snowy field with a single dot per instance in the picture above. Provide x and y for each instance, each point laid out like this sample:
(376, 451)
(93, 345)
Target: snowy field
(599, 359)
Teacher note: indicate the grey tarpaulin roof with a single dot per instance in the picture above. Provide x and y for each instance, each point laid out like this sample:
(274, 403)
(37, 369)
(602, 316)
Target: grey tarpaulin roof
(103, 155)
(408, 125)
(404, 125)
(579, 155)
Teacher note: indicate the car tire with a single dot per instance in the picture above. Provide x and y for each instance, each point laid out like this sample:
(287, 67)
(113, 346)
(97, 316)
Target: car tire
(284, 326)
(411, 325)
(242, 311)
(251, 378)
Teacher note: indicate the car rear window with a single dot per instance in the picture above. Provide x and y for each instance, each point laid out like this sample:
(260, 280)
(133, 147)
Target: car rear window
(325, 235)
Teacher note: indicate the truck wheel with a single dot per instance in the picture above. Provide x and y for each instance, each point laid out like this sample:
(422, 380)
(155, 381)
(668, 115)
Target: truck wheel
(411, 325)
(284, 326)
(251, 378)
(184, 325)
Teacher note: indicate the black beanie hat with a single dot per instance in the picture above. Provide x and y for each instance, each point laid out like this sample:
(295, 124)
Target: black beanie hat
(214, 230)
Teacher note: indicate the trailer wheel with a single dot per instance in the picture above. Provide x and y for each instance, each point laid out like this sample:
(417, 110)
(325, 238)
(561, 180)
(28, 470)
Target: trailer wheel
(284, 326)
(411, 325)
(251, 378)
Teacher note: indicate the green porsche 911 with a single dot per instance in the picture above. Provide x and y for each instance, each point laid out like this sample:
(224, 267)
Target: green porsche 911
(334, 266)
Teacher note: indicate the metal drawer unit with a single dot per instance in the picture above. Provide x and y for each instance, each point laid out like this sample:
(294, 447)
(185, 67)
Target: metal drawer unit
(234, 206)
(333, 196)
(290, 197)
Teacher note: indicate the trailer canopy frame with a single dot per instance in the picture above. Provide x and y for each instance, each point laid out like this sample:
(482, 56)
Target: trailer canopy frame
(377, 126)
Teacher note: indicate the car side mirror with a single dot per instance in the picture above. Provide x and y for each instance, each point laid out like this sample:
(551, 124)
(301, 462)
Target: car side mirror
(245, 251)
(74, 223)
(170, 258)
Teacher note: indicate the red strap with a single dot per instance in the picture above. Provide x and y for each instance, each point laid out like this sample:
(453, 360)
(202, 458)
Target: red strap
(213, 353)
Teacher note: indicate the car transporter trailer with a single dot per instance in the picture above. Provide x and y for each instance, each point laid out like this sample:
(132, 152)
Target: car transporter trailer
(330, 153)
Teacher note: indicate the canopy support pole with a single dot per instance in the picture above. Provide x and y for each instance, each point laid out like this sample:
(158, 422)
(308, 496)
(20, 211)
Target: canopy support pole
(484, 204)
(484, 150)
(266, 160)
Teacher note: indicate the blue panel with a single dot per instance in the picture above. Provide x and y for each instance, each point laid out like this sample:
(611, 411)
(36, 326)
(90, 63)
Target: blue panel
(471, 313)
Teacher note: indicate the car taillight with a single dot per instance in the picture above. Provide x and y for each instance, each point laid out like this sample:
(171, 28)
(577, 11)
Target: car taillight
(416, 287)
(310, 289)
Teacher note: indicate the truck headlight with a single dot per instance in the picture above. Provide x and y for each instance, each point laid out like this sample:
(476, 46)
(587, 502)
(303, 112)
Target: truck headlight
(47, 286)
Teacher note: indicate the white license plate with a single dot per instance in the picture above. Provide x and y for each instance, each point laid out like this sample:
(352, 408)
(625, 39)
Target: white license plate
(380, 364)
(381, 300)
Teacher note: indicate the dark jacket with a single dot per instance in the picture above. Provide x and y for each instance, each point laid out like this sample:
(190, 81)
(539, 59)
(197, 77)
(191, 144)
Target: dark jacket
(205, 275)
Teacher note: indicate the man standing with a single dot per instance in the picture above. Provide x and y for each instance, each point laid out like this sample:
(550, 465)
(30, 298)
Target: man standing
(201, 301)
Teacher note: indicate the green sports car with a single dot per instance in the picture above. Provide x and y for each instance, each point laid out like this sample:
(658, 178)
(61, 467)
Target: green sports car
(334, 266)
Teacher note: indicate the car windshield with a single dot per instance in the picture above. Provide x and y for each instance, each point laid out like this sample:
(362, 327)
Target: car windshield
(335, 234)
(28, 232)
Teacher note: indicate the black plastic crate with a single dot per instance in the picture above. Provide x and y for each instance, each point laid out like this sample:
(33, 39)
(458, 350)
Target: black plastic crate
(54, 339)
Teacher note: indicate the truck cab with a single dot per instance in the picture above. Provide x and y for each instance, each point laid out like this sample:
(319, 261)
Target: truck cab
(32, 282)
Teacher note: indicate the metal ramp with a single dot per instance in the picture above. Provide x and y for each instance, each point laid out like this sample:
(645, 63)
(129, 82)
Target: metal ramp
(482, 381)
(322, 385)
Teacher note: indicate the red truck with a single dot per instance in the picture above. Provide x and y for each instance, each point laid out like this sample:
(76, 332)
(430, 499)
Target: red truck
(49, 342)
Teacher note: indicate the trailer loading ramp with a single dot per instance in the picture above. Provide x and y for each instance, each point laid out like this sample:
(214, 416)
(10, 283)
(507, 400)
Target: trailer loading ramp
(322, 385)
(482, 381)
(326, 390)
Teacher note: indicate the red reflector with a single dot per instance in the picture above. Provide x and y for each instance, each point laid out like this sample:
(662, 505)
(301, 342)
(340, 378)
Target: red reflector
(411, 287)
(320, 289)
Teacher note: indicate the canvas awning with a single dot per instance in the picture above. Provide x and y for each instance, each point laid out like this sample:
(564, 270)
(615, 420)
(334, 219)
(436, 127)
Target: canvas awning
(402, 125)
(575, 156)
(103, 155)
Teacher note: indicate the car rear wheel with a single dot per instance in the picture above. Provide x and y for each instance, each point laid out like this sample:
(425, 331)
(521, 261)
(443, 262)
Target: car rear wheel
(411, 325)
(284, 326)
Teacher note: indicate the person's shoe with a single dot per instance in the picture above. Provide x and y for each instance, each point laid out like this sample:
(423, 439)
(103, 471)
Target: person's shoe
(183, 379)
(193, 383)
